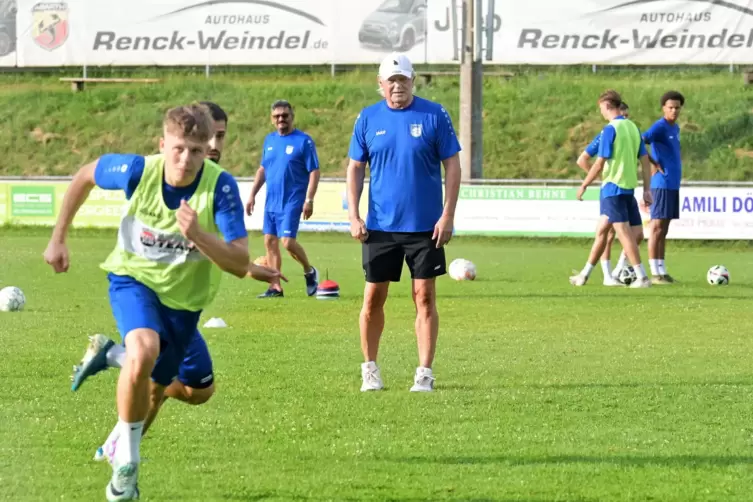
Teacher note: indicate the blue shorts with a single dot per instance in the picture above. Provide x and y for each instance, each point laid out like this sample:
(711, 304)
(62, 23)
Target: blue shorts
(136, 306)
(196, 369)
(666, 205)
(621, 209)
(282, 223)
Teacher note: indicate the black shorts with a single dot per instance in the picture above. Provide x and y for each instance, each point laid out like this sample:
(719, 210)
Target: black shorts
(384, 252)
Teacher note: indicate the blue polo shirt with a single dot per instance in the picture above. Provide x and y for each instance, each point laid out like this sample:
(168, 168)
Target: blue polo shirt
(404, 149)
(664, 139)
(288, 161)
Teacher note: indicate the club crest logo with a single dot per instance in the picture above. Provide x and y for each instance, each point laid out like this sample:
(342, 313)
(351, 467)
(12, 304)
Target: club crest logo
(50, 24)
(289, 149)
(415, 130)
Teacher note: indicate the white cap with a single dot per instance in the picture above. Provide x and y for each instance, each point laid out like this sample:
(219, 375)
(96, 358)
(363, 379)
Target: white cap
(396, 64)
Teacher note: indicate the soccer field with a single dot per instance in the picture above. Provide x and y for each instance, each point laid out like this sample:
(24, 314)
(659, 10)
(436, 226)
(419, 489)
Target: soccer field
(544, 392)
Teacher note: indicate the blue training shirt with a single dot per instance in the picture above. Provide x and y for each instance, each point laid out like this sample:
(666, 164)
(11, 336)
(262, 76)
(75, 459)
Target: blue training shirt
(593, 148)
(664, 139)
(606, 144)
(404, 149)
(288, 161)
(228, 206)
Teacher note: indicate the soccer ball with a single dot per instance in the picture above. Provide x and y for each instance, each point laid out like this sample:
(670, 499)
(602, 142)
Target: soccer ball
(462, 270)
(12, 299)
(718, 275)
(627, 275)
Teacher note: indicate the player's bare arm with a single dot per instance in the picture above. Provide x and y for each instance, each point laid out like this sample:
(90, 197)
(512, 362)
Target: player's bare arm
(356, 174)
(78, 191)
(646, 172)
(444, 227)
(308, 207)
(593, 173)
(583, 161)
(231, 257)
(259, 180)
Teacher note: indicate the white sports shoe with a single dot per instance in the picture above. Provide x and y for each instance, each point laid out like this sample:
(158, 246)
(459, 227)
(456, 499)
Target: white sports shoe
(124, 483)
(611, 281)
(106, 452)
(641, 283)
(578, 280)
(423, 381)
(372, 379)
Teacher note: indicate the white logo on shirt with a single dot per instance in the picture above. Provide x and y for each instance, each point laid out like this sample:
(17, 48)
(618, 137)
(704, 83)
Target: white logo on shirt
(415, 130)
(381, 133)
(269, 148)
(226, 189)
(124, 168)
(289, 149)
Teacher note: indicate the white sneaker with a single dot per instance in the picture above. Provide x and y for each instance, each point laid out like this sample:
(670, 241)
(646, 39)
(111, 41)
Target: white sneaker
(423, 381)
(641, 283)
(578, 280)
(124, 483)
(611, 281)
(372, 379)
(106, 452)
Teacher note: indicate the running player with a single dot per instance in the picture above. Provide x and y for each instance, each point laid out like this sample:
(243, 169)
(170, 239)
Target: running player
(182, 227)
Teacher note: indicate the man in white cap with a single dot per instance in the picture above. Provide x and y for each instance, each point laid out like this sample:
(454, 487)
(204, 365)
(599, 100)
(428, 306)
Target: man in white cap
(405, 139)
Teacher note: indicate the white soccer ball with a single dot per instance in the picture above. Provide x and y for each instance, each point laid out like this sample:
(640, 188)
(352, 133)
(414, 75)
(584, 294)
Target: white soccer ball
(718, 275)
(627, 275)
(462, 270)
(12, 299)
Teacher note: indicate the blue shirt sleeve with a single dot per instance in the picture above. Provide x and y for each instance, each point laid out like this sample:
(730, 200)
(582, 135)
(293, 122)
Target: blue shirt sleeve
(654, 133)
(115, 171)
(228, 209)
(606, 143)
(310, 156)
(642, 149)
(593, 148)
(262, 162)
(358, 150)
(447, 141)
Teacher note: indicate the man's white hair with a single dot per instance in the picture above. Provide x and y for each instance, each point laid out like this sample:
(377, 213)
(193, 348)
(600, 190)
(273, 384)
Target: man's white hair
(381, 91)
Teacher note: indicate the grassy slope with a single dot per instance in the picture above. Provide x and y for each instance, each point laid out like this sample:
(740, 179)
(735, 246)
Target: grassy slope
(535, 124)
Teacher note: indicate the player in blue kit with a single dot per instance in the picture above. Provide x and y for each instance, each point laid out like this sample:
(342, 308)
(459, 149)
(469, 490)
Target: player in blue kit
(405, 139)
(620, 148)
(290, 168)
(664, 139)
(181, 228)
(610, 275)
(194, 383)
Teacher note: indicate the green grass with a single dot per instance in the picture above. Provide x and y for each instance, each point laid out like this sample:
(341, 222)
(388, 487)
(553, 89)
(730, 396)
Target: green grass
(535, 124)
(544, 392)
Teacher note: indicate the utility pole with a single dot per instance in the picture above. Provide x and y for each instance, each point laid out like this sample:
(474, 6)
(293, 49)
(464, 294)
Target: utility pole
(471, 86)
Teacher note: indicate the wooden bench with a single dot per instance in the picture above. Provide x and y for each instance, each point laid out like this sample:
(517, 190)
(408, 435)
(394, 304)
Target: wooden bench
(77, 83)
(427, 76)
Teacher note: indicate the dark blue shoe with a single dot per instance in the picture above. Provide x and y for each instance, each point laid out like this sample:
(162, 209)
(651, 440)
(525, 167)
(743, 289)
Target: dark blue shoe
(94, 361)
(271, 293)
(312, 281)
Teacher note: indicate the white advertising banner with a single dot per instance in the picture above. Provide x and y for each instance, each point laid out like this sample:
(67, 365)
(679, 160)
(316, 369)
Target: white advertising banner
(705, 213)
(8, 10)
(603, 31)
(530, 211)
(237, 32)
(175, 32)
